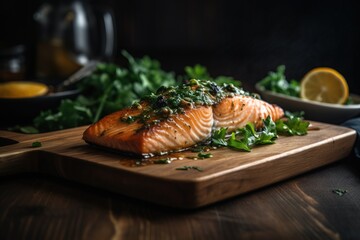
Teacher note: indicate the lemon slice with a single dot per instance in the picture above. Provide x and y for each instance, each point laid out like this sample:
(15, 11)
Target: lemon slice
(324, 85)
(22, 89)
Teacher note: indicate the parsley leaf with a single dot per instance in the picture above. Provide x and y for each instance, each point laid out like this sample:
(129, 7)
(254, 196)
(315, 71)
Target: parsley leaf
(277, 82)
(36, 144)
(203, 155)
(339, 192)
(218, 137)
(293, 125)
(247, 137)
(185, 168)
(242, 144)
(162, 161)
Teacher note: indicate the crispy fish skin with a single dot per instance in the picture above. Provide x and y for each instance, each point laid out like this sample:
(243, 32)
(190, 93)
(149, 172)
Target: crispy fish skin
(177, 132)
(235, 112)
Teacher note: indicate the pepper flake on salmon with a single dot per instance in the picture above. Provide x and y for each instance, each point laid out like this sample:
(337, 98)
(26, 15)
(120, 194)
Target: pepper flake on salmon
(178, 117)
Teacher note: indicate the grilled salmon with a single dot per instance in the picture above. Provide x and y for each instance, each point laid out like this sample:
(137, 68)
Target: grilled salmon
(235, 112)
(176, 118)
(177, 132)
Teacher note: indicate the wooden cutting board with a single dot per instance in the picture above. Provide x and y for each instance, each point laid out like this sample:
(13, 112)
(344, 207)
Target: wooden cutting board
(228, 173)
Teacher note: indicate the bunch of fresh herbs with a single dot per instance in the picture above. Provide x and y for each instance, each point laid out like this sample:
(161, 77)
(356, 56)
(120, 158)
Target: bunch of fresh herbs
(277, 82)
(111, 87)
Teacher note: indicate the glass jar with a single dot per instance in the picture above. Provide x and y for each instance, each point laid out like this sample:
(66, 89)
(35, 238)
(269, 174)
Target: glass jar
(69, 35)
(12, 63)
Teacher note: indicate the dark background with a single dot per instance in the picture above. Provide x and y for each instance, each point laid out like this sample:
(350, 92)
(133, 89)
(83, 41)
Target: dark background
(244, 39)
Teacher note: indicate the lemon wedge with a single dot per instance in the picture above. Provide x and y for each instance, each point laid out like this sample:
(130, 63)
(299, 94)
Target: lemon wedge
(324, 85)
(22, 89)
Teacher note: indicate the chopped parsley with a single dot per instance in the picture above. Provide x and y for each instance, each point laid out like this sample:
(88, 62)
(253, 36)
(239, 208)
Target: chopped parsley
(198, 148)
(293, 125)
(162, 161)
(202, 155)
(185, 168)
(36, 144)
(339, 192)
(172, 100)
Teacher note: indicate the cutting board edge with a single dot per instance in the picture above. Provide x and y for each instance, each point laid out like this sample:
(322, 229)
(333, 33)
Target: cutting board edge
(179, 199)
(196, 192)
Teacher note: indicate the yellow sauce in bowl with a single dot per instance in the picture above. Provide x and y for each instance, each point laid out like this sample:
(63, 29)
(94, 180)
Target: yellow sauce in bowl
(22, 89)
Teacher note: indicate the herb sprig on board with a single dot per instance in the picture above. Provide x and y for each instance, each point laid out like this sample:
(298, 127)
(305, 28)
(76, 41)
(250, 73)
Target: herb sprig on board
(246, 138)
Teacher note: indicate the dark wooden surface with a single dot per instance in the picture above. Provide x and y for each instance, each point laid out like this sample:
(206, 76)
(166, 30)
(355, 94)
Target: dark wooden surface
(42, 207)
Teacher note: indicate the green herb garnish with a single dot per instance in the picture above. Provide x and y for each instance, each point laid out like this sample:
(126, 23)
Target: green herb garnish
(168, 101)
(247, 137)
(293, 125)
(162, 161)
(276, 82)
(185, 168)
(339, 192)
(202, 155)
(24, 129)
(197, 148)
(219, 137)
(36, 144)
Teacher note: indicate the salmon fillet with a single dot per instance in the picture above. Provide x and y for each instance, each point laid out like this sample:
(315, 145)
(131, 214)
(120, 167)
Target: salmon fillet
(177, 132)
(177, 118)
(235, 112)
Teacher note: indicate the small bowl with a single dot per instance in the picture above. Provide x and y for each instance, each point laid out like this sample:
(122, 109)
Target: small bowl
(23, 110)
(317, 111)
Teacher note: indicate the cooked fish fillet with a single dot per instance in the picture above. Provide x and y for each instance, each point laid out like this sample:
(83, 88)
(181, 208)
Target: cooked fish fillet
(236, 112)
(156, 126)
(177, 132)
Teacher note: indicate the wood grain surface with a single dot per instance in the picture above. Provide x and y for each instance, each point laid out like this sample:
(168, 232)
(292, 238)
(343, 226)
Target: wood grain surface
(227, 174)
(37, 207)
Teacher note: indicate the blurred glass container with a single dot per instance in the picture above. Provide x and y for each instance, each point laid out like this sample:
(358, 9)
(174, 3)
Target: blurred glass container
(70, 33)
(12, 63)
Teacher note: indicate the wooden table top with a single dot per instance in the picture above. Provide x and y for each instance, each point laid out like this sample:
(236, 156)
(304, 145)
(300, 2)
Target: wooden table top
(304, 207)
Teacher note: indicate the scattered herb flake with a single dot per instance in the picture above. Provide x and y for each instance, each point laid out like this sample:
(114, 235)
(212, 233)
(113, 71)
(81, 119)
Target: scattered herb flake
(339, 191)
(185, 168)
(36, 144)
(162, 161)
(197, 148)
(203, 155)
